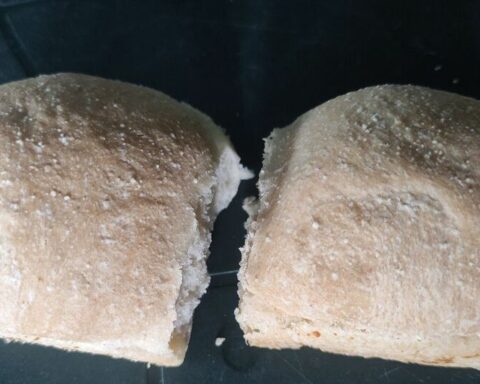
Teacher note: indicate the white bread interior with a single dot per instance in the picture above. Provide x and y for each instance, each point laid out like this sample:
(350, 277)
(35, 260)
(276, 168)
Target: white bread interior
(108, 193)
(366, 236)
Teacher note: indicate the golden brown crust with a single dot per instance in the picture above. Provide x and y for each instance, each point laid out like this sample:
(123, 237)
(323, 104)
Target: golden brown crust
(367, 231)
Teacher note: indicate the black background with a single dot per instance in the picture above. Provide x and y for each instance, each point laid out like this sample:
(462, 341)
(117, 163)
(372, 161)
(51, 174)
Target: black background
(252, 66)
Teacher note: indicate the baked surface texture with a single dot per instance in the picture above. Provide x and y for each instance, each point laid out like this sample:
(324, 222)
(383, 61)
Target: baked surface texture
(108, 192)
(366, 236)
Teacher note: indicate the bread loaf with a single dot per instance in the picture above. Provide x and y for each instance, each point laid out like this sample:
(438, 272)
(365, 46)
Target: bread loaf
(366, 236)
(108, 193)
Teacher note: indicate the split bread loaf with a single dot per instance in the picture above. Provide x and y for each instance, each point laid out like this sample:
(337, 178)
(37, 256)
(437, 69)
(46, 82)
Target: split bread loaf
(366, 237)
(108, 193)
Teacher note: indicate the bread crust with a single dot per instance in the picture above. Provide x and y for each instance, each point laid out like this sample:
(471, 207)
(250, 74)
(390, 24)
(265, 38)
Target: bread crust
(366, 238)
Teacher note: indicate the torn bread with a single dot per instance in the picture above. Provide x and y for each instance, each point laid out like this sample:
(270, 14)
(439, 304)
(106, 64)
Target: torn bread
(366, 236)
(108, 193)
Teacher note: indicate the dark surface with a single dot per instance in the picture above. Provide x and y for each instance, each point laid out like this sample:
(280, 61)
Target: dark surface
(252, 65)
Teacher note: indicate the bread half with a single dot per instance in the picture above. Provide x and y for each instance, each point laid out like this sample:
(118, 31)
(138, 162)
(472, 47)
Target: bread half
(366, 237)
(108, 193)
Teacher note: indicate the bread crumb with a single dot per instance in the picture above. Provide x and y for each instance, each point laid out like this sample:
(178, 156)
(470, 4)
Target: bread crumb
(64, 139)
(219, 341)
